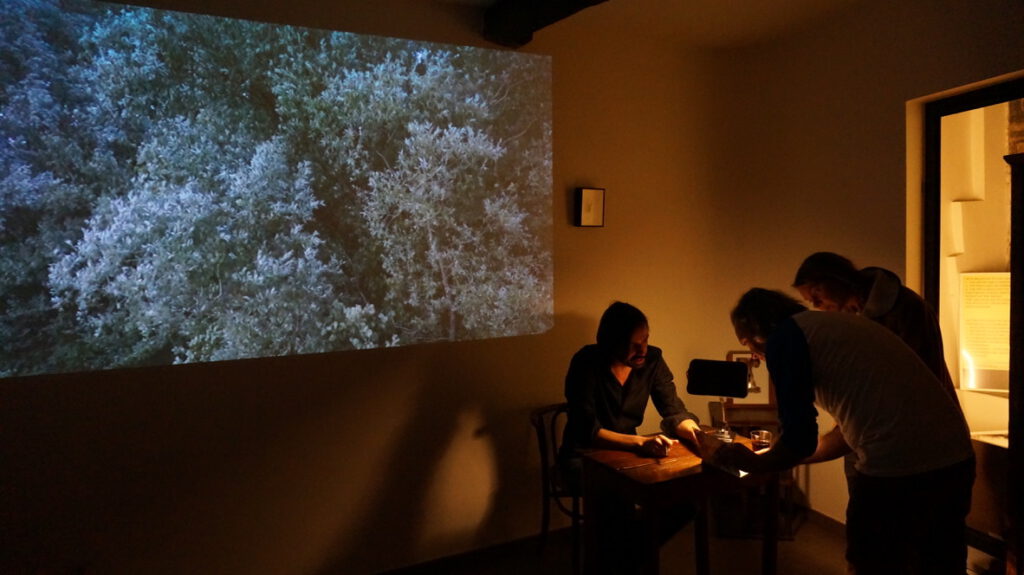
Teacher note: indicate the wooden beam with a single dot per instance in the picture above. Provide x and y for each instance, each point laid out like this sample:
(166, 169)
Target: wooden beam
(513, 22)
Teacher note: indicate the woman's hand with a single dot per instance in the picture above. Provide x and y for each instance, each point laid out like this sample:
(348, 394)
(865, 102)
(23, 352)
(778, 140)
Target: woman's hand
(656, 445)
(687, 430)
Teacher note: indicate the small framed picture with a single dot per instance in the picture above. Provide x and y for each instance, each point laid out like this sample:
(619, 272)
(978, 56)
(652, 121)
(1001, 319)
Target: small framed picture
(590, 207)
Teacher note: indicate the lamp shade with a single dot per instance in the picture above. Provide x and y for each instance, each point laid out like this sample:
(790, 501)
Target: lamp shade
(716, 377)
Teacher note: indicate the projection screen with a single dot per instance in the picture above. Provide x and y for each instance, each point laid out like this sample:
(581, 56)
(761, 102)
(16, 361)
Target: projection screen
(179, 188)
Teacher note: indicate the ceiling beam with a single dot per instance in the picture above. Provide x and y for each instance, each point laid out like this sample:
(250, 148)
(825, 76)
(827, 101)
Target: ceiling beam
(513, 22)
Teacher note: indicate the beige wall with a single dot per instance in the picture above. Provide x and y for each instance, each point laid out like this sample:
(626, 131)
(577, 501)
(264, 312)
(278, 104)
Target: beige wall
(723, 169)
(825, 134)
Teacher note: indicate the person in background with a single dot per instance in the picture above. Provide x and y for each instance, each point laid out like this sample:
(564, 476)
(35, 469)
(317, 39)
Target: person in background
(831, 282)
(608, 386)
(911, 490)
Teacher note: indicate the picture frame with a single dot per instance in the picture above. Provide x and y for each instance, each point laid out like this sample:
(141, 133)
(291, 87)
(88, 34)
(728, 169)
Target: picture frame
(590, 207)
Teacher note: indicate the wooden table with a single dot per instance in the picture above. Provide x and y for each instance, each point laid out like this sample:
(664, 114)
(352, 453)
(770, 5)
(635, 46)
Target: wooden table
(655, 484)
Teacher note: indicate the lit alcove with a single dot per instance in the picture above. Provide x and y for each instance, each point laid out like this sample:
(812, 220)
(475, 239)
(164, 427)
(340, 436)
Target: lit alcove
(970, 141)
(974, 262)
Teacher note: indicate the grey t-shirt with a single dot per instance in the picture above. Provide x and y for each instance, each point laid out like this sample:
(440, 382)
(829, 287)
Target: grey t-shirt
(888, 404)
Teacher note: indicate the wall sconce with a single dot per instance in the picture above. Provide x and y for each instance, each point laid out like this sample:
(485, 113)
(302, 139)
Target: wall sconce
(589, 207)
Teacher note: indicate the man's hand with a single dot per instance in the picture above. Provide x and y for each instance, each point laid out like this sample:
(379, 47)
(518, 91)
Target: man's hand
(831, 446)
(657, 445)
(739, 456)
(688, 430)
(735, 456)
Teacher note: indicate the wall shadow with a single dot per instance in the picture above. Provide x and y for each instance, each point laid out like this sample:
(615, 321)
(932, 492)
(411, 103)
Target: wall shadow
(463, 377)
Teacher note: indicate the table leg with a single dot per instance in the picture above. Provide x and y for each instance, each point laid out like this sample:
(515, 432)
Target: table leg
(770, 543)
(700, 538)
(649, 553)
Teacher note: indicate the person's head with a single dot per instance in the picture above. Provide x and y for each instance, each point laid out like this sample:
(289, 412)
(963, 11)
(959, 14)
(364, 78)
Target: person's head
(622, 334)
(830, 282)
(758, 312)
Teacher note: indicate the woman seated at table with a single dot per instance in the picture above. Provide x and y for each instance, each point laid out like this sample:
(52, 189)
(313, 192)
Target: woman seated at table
(607, 387)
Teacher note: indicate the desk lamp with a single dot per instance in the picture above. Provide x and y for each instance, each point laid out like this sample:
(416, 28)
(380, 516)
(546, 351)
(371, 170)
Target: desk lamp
(718, 378)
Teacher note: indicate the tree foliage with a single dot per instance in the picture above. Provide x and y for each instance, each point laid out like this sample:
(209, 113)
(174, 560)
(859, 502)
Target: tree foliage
(181, 188)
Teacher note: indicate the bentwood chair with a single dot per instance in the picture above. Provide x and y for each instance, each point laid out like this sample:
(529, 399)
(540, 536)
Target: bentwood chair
(548, 422)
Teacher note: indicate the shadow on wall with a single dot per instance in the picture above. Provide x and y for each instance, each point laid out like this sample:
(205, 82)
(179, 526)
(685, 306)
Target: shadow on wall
(463, 472)
(166, 470)
(337, 463)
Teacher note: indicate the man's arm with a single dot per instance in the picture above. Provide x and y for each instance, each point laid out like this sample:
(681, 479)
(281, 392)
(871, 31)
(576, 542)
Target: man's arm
(651, 446)
(789, 365)
(687, 430)
(831, 446)
(676, 419)
(738, 456)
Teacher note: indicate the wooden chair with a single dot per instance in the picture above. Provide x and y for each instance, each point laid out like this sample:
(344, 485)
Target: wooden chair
(548, 422)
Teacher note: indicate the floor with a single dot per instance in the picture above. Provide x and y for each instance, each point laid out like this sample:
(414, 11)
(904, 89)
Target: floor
(816, 548)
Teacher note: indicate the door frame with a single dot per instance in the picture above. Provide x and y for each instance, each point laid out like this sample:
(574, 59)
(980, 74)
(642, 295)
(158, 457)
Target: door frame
(931, 225)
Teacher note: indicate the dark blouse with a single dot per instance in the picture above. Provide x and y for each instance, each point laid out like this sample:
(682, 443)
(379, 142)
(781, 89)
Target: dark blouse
(598, 401)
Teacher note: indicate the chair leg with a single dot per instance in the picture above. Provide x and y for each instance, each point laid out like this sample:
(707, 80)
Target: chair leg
(545, 523)
(576, 537)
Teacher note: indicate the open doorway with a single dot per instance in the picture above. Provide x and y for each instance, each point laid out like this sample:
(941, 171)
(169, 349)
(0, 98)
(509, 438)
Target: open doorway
(974, 260)
(971, 271)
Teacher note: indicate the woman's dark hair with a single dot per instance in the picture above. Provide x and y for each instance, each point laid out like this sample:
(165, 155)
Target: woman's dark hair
(760, 310)
(617, 325)
(833, 272)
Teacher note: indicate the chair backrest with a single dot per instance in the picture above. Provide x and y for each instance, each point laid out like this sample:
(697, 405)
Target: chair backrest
(548, 422)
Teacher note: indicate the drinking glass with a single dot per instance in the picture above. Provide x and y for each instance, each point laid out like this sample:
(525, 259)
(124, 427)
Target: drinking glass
(760, 439)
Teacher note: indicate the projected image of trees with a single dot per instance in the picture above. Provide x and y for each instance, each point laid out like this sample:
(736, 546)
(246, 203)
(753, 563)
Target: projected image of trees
(178, 188)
